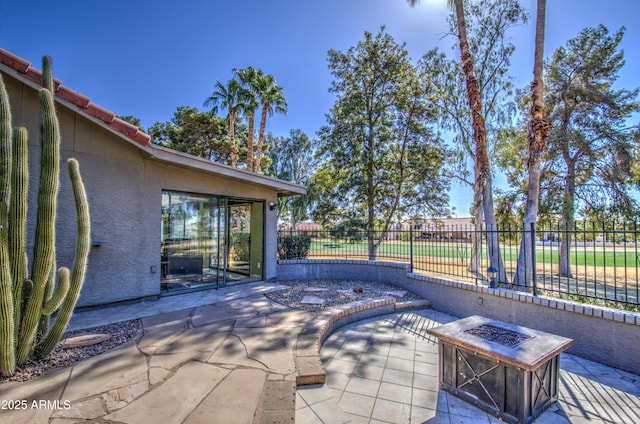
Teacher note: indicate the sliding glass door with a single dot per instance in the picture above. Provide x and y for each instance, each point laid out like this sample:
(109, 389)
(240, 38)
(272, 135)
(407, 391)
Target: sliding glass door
(209, 240)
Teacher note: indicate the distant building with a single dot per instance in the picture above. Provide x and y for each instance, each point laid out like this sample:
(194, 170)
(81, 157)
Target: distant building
(305, 228)
(437, 228)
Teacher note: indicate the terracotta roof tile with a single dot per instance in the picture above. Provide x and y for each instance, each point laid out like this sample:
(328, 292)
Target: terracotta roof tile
(32, 74)
(73, 97)
(124, 127)
(14, 62)
(101, 113)
(142, 138)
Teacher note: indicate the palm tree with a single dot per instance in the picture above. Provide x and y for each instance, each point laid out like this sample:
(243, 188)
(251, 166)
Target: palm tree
(249, 103)
(226, 97)
(272, 99)
(538, 131)
(482, 170)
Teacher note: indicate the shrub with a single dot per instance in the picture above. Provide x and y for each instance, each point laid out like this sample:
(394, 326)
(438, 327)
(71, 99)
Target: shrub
(240, 247)
(293, 247)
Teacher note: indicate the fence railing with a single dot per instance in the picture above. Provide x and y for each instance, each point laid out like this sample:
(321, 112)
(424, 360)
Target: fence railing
(588, 262)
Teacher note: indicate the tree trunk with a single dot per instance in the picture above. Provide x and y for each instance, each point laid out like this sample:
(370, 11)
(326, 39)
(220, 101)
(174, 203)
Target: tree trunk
(232, 139)
(475, 263)
(538, 128)
(371, 242)
(493, 244)
(251, 119)
(568, 211)
(482, 169)
(263, 125)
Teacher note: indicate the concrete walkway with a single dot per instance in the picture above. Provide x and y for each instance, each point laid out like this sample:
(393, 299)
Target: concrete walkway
(227, 356)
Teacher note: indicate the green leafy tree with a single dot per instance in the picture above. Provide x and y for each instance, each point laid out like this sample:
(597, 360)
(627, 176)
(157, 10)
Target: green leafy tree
(590, 141)
(293, 159)
(591, 147)
(379, 157)
(192, 131)
(249, 89)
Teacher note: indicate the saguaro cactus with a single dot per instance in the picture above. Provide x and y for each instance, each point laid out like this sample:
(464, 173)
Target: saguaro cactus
(27, 300)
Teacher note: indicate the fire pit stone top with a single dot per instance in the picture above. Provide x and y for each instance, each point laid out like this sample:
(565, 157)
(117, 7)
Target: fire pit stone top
(520, 346)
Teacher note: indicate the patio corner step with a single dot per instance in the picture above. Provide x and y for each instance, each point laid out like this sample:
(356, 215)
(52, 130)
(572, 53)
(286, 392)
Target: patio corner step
(310, 370)
(412, 304)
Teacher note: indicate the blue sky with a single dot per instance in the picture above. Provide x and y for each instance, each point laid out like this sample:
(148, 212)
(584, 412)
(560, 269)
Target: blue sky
(146, 58)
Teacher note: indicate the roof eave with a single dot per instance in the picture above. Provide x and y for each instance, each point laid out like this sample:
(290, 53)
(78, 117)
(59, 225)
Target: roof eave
(187, 161)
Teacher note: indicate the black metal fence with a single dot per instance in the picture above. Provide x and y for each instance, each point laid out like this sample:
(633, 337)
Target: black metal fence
(590, 263)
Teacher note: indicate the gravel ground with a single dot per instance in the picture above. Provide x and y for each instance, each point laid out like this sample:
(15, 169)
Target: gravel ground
(60, 357)
(339, 292)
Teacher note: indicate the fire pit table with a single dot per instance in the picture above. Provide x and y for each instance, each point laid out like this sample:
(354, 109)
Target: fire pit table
(506, 370)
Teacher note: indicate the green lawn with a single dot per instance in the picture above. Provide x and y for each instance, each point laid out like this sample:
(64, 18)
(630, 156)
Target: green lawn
(582, 256)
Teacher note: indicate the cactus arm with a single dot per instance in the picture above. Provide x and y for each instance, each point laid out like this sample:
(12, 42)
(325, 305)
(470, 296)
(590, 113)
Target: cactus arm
(27, 288)
(43, 324)
(44, 250)
(59, 293)
(18, 216)
(7, 326)
(83, 244)
(47, 74)
(5, 145)
(7, 306)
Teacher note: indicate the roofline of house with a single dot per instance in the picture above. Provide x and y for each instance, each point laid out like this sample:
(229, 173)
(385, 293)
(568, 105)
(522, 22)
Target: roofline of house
(22, 70)
(185, 160)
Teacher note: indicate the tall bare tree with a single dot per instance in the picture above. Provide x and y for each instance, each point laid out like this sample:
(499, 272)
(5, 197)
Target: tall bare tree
(538, 132)
(488, 25)
(482, 169)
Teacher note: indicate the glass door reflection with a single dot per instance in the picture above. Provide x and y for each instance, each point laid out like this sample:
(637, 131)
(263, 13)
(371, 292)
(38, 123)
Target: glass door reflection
(207, 240)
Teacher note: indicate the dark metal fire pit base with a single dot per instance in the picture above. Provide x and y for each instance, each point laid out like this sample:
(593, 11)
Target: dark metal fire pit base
(513, 382)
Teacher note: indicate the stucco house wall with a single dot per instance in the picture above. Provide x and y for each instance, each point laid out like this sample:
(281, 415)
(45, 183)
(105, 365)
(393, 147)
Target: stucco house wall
(124, 175)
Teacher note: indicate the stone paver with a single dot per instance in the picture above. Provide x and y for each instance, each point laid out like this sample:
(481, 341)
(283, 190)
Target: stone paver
(174, 400)
(120, 367)
(312, 300)
(226, 403)
(232, 356)
(49, 387)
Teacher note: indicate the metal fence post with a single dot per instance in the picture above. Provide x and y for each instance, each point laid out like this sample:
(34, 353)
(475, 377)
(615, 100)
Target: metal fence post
(411, 248)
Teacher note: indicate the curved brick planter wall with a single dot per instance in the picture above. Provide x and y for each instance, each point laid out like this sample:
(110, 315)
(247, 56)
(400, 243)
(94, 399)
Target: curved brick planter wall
(307, 352)
(601, 334)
